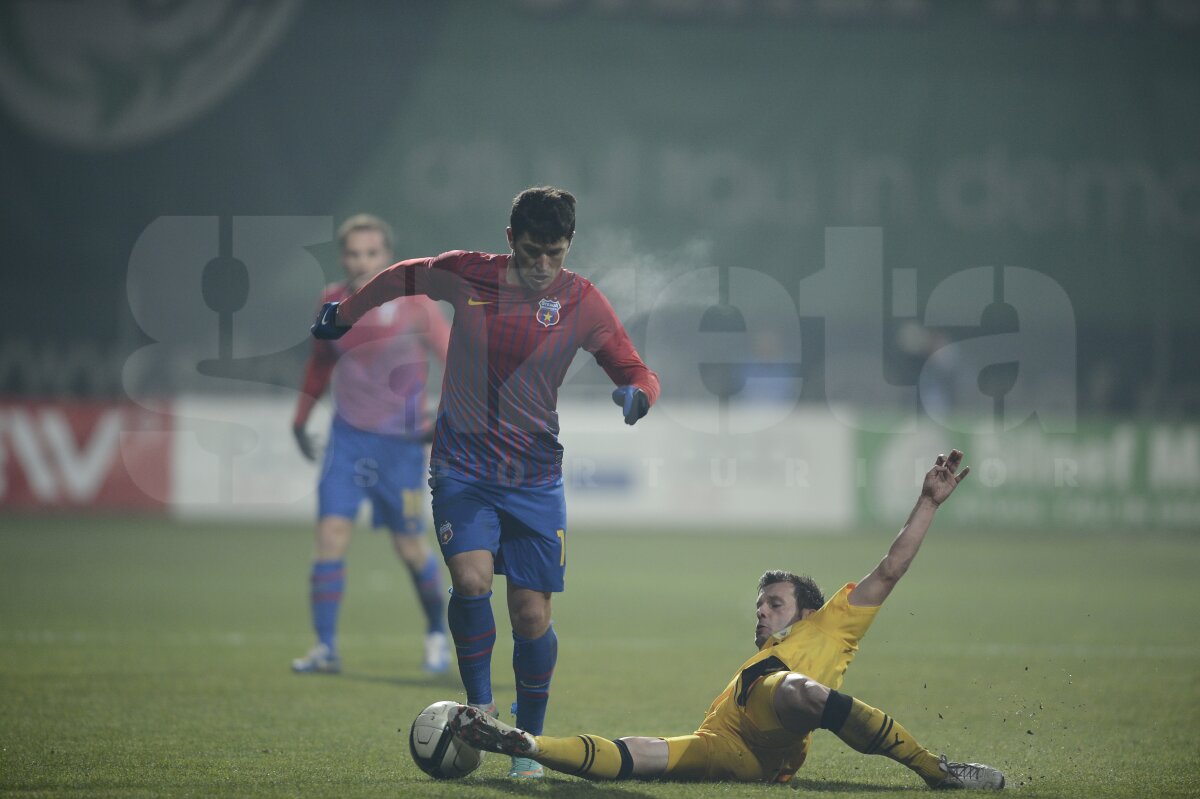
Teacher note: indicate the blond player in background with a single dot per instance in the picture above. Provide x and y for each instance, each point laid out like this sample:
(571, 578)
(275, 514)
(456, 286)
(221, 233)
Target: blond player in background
(377, 441)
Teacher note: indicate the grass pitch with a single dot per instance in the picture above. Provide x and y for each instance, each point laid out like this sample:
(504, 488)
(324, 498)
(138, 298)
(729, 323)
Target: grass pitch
(149, 658)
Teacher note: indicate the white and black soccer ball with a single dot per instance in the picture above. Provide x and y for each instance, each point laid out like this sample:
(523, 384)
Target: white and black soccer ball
(434, 747)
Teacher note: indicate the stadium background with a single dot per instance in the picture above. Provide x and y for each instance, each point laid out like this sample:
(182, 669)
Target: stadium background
(795, 206)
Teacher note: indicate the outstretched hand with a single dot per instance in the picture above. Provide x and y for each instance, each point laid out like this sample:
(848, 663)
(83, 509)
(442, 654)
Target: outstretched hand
(939, 483)
(633, 401)
(944, 477)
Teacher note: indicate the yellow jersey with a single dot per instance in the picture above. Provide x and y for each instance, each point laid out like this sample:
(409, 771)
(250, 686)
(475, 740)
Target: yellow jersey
(819, 647)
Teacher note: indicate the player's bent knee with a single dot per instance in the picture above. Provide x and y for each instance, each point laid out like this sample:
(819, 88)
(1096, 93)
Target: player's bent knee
(530, 626)
(471, 585)
(529, 612)
(799, 702)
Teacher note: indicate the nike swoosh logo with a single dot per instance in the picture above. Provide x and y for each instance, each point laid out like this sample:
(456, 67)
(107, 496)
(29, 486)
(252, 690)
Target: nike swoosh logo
(473, 301)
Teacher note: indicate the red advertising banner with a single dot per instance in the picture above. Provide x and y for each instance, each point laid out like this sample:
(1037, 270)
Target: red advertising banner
(84, 456)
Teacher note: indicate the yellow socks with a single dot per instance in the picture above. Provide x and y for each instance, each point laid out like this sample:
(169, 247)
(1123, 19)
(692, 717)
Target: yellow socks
(587, 756)
(864, 728)
(873, 732)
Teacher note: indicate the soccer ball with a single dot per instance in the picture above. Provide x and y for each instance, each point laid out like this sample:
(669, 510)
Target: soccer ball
(434, 747)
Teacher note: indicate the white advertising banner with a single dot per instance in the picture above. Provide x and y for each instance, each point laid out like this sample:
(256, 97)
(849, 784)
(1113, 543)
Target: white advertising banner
(677, 468)
(236, 459)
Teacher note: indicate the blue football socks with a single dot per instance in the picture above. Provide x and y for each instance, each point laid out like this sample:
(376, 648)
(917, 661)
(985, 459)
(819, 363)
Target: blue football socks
(474, 631)
(428, 582)
(328, 582)
(533, 666)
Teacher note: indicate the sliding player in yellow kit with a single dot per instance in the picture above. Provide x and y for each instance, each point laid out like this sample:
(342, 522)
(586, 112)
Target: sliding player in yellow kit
(760, 726)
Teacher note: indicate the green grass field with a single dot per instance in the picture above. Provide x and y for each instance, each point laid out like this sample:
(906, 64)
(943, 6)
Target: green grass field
(147, 658)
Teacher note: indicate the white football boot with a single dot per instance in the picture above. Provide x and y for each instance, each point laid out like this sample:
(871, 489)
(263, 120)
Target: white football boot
(968, 775)
(437, 654)
(319, 660)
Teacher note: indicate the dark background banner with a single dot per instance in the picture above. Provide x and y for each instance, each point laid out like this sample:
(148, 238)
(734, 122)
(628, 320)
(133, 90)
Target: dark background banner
(1062, 138)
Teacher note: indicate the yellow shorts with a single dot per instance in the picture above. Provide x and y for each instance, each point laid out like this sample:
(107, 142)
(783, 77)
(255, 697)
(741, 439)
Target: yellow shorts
(740, 743)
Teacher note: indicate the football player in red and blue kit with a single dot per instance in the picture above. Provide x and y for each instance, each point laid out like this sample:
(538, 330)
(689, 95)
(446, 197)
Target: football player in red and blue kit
(496, 466)
(376, 450)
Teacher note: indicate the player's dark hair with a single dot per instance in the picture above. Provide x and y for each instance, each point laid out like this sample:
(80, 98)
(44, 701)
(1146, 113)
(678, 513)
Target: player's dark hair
(547, 214)
(808, 595)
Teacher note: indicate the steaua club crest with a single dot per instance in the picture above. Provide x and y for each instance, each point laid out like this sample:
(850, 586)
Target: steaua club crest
(445, 533)
(548, 311)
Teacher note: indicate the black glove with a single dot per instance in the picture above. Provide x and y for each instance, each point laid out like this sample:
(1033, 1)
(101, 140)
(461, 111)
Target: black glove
(307, 448)
(633, 401)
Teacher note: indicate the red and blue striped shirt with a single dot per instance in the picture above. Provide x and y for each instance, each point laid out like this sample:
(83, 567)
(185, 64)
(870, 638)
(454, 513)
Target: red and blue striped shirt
(509, 353)
(379, 368)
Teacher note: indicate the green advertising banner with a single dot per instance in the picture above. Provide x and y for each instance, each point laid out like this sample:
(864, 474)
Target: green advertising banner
(1106, 477)
(1055, 142)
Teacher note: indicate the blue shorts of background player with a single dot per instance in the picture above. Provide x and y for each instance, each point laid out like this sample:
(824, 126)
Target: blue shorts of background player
(387, 471)
(520, 532)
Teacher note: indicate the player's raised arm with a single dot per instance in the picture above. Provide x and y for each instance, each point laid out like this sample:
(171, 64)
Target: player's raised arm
(403, 279)
(940, 482)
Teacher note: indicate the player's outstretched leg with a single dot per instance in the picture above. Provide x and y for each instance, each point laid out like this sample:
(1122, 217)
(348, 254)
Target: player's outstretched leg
(483, 731)
(588, 756)
(871, 731)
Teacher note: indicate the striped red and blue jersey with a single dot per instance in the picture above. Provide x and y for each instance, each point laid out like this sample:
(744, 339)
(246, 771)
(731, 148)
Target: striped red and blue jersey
(509, 352)
(379, 368)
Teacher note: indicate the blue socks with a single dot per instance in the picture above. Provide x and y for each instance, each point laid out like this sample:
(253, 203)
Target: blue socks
(428, 581)
(474, 631)
(533, 665)
(328, 581)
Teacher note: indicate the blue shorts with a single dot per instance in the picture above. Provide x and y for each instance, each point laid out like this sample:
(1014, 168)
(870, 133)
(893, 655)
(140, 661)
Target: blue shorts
(524, 528)
(387, 470)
